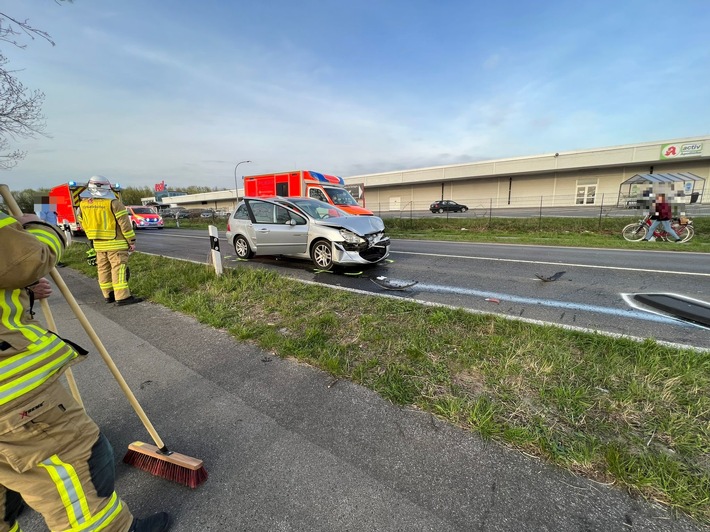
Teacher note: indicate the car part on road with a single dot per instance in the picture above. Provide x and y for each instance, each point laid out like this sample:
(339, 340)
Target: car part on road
(552, 277)
(392, 284)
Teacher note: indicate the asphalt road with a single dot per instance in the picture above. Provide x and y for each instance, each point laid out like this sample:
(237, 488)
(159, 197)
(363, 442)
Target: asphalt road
(287, 448)
(593, 288)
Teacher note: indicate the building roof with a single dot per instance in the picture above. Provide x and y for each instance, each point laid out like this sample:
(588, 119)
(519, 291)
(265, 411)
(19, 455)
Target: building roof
(680, 177)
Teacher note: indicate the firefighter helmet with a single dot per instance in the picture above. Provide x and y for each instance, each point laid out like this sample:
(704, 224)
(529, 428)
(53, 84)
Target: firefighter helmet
(99, 186)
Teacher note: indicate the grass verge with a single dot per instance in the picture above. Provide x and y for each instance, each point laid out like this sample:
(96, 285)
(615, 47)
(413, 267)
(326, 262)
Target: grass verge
(581, 232)
(614, 410)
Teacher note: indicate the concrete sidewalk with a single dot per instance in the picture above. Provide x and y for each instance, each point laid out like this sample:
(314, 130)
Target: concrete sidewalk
(287, 449)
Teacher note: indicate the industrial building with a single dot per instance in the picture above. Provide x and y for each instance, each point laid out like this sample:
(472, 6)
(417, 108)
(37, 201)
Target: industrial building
(599, 177)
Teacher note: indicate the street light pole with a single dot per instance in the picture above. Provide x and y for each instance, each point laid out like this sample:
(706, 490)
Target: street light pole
(236, 188)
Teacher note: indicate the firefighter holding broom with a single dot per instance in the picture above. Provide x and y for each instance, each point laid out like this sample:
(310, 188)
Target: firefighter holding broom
(106, 223)
(52, 454)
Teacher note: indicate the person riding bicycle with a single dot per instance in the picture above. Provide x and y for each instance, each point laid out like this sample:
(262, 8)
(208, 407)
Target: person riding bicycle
(661, 213)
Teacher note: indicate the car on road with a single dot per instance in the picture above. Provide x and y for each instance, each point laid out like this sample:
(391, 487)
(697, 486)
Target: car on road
(447, 206)
(178, 213)
(306, 228)
(143, 217)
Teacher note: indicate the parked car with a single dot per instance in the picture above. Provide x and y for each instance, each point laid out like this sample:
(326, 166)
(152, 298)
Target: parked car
(143, 217)
(179, 212)
(306, 228)
(207, 214)
(447, 206)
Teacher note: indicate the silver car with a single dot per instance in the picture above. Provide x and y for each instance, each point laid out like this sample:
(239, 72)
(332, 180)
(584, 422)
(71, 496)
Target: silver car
(306, 228)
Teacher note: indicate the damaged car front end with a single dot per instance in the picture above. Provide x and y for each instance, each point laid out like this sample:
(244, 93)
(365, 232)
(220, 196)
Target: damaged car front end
(306, 228)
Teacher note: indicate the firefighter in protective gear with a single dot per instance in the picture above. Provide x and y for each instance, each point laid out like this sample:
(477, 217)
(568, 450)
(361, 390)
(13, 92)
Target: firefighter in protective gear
(52, 454)
(106, 223)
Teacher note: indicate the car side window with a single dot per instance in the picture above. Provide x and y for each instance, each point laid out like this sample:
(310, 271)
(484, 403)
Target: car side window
(263, 212)
(242, 212)
(300, 220)
(282, 215)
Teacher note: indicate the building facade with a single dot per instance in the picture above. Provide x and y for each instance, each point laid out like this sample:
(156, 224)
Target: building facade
(584, 177)
(591, 177)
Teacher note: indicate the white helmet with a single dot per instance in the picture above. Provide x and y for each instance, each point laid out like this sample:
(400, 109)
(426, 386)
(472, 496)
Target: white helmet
(99, 186)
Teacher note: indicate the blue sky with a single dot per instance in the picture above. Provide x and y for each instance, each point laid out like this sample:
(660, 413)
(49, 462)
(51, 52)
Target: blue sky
(144, 91)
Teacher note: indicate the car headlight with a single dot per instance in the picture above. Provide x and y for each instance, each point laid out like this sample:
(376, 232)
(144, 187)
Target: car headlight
(350, 237)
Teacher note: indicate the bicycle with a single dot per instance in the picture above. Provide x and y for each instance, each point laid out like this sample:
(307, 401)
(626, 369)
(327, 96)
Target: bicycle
(636, 232)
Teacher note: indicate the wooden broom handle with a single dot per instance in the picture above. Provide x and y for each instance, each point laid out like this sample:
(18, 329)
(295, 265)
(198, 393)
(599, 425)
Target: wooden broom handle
(49, 318)
(15, 209)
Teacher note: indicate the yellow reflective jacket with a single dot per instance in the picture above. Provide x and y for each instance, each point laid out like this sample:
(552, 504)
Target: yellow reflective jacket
(30, 356)
(106, 223)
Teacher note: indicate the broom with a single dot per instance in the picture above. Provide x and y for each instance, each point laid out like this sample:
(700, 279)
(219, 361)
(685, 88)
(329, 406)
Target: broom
(156, 459)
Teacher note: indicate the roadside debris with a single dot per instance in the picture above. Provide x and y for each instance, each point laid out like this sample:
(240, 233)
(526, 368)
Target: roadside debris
(553, 277)
(493, 299)
(392, 284)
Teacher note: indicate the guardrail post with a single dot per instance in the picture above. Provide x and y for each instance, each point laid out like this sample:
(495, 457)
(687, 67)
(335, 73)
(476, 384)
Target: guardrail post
(216, 254)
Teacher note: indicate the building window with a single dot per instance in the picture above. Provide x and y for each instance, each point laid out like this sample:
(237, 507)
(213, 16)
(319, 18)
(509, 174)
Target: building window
(586, 190)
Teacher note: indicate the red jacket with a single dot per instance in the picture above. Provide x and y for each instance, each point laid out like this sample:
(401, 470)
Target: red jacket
(663, 211)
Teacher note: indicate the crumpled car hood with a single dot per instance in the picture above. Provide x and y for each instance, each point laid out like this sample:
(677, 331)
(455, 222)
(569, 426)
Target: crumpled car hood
(361, 225)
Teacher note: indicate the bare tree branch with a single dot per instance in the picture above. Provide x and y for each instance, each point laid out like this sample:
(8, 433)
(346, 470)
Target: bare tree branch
(20, 108)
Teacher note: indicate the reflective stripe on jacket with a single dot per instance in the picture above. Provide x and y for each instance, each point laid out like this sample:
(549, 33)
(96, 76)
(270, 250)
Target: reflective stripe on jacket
(29, 355)
(106, 223)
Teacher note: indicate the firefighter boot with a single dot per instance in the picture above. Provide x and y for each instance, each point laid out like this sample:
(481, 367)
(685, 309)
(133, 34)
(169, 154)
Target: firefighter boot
(110, 298)
(159, 522)
(128, 301)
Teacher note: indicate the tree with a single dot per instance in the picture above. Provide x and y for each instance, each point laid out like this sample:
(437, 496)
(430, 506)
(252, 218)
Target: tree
(133, 195)
(20, 108)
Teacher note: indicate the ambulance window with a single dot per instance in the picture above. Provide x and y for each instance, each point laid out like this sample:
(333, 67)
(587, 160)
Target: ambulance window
(317, 194)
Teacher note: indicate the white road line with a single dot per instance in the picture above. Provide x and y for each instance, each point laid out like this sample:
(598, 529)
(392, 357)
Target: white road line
(575, 265)
(476, 311)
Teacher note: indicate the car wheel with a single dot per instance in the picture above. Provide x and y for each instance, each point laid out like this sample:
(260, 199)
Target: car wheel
(440, 211)
(241, 246)
(464, 209)
(322, 254)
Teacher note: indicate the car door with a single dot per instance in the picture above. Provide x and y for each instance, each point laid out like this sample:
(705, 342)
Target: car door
(276, 229)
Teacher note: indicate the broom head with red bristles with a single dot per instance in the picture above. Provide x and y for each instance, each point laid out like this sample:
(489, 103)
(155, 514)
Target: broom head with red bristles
(166, 464)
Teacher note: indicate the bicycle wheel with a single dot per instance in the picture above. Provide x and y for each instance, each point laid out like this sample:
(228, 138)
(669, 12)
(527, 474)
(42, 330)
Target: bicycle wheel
(634, 232)
(689, 233)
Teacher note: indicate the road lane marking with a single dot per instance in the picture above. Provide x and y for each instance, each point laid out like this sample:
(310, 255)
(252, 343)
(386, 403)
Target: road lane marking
(508, 298)
(491, 312)
(571, 264)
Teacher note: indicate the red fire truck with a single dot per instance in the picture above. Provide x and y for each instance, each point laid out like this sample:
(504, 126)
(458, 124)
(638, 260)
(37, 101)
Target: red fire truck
(306, 183)
(63, 204)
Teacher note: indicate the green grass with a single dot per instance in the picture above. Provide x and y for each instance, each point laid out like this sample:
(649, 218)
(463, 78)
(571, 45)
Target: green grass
(614, 410)
(581, 232)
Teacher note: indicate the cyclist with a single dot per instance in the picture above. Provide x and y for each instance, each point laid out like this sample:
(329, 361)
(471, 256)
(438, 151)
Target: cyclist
(662, 214)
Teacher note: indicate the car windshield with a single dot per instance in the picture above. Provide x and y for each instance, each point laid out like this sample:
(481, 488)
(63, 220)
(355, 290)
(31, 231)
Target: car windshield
(340, 196)
(143, 210)
(316, 209)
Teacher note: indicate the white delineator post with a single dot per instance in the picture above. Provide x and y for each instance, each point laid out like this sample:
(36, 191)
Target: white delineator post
(67, 231)
(216, 254)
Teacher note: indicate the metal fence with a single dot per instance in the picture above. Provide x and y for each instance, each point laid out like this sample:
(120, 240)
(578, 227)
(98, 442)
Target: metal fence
(602, 205)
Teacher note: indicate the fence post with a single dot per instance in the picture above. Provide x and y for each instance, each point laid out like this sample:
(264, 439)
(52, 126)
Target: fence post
(539, 225)
(490, 212)
(601, 211)
(216, 255)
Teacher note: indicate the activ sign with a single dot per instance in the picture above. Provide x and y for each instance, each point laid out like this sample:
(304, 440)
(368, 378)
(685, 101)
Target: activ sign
(671, 151)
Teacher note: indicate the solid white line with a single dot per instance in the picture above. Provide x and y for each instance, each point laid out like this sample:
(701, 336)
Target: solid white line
(575, 265)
